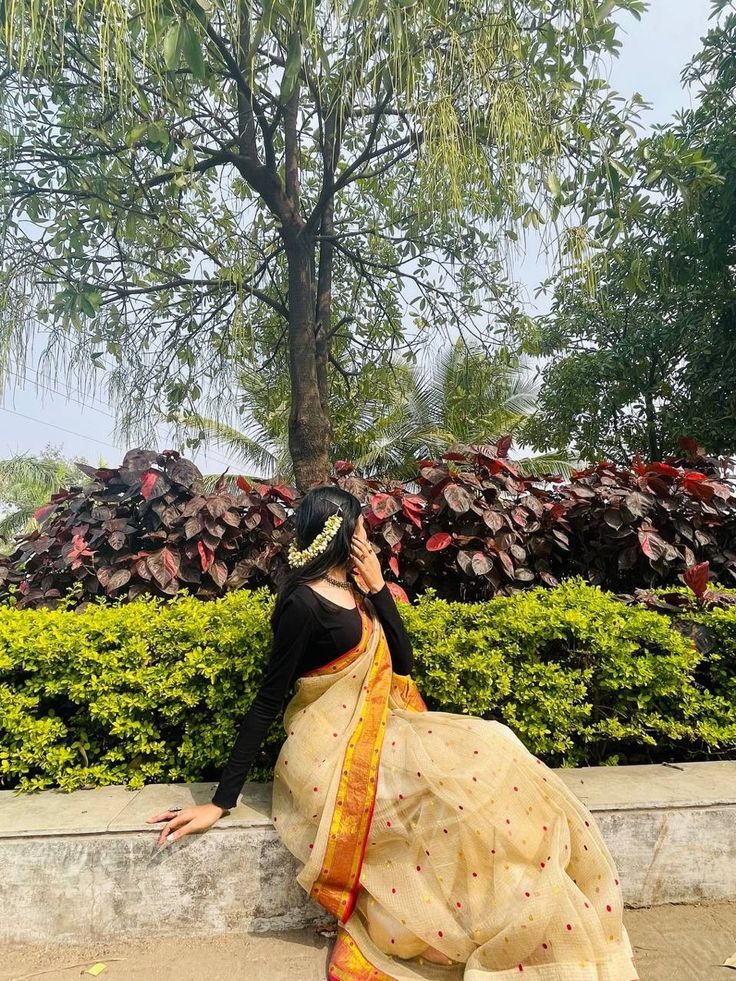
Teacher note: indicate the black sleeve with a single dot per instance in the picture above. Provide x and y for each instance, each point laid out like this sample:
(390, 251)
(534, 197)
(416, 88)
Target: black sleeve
(291, 636)
(402, 657)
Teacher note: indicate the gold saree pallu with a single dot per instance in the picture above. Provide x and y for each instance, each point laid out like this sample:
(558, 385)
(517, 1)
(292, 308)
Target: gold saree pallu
(444, 848)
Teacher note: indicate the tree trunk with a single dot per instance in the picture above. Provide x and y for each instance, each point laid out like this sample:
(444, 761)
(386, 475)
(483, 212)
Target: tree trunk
(309, 427)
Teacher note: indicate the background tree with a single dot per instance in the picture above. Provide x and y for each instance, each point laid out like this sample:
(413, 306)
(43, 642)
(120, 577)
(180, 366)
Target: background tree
(26, 483)
(649, 355)
(390, 416)
(177, 172)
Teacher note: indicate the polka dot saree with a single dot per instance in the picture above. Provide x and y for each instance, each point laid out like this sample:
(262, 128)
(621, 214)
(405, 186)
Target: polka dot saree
(445, 849)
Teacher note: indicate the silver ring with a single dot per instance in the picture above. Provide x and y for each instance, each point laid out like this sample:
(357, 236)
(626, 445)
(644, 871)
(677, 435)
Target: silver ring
(176, 808)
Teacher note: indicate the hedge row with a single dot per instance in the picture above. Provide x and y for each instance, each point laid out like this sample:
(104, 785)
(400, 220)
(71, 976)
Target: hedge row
(152, 691)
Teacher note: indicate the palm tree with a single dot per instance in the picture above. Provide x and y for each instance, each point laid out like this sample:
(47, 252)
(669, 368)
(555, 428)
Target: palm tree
(27, 482)
(385, 422)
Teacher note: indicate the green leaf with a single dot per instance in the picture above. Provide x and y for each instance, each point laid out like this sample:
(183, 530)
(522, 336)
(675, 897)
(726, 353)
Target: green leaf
(193, 53)
(172, 46)
(293, 65)
(358, 9)
(136, 133)
(624, 171)
(553, 183)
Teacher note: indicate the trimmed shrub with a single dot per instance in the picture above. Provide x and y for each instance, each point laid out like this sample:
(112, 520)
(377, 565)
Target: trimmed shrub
(153, 691)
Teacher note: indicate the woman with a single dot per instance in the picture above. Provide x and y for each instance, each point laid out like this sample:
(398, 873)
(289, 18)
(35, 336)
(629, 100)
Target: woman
(443, 847)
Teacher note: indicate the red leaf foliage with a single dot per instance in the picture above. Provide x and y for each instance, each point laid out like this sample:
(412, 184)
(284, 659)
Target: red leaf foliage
(468, 525)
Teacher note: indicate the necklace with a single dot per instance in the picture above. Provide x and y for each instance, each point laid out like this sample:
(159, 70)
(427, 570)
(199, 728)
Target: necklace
(337, 582)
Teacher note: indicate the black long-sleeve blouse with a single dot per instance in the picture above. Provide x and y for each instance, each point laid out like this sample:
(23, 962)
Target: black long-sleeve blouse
(310, 631)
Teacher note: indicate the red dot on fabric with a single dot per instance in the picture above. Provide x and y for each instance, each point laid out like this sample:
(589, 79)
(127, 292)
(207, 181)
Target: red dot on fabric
(569, 926)
(586, 905)
(459, 904)
(475, 752)
(312, 845)
(516, 788)
(419, 773)
(426, 852)
(545, 946)
(393, 743)
(541, 865)
(521, 967)
(475, 875)
(286, 762)
(440, 933)
(419, 868)
(508, 821)
(461, 807)
(393, 889)
(429, 731)
(315, 789)
(334, 733)
(388, 824)
(475, 780)
(587, 825)
(445, 830)
(401, 796)
(544, 827)
(527, 894)
(616, 881)
(608, 908)
(493, 851)
(344, 706)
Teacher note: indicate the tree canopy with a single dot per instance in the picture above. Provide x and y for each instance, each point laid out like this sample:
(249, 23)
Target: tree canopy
(182, 178)
(649, 356)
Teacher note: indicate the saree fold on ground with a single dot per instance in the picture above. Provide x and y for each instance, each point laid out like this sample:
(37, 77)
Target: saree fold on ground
(448, 824)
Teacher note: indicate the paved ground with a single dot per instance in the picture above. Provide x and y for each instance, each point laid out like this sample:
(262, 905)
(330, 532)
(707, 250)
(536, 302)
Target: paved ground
(672, 943)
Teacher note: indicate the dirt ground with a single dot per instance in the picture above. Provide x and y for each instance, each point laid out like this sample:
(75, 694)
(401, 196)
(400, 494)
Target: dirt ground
(671, 943)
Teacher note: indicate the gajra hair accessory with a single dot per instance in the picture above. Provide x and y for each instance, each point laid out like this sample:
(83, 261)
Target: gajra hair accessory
(300, 557)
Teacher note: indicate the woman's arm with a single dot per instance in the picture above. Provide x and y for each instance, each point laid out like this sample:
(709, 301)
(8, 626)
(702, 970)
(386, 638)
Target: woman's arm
(291, 637)
(402, 655)
(367, 564)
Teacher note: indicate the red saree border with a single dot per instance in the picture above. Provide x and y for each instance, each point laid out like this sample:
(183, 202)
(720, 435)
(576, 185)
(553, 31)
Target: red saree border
(348, 963)
(404, 690)
(338, 883)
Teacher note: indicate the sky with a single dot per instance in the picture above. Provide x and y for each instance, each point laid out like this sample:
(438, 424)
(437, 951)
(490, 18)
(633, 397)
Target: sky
(655, 50)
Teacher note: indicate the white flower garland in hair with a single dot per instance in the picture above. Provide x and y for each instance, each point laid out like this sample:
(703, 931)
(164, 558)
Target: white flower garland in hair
(300, 557)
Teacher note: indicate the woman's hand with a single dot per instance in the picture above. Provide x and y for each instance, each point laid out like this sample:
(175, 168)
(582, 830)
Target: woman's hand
(365, 560)
(191, 820)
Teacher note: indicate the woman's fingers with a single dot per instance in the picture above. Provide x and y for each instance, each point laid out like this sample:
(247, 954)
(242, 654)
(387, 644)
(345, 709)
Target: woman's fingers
(163, 816)
(177, 822)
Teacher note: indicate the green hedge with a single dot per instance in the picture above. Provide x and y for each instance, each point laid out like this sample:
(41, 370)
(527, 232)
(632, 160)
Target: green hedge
(152, 691)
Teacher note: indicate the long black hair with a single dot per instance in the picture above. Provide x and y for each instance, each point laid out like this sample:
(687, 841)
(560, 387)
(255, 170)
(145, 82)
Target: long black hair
(315, 508)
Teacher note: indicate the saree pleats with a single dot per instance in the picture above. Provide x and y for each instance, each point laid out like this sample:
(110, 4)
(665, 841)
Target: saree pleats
(474, 849)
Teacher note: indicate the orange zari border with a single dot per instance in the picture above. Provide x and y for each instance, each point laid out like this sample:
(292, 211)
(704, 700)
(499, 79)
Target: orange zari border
(347, 963)
(336, 888)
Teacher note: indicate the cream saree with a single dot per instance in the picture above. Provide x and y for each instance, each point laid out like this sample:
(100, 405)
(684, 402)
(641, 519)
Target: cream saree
(435, 837)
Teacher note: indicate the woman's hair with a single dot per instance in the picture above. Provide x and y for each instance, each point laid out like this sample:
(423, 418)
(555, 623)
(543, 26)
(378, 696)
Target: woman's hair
(315, 508)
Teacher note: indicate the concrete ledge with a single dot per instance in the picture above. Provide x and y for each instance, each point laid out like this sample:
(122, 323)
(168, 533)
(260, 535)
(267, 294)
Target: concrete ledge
(83, 866)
